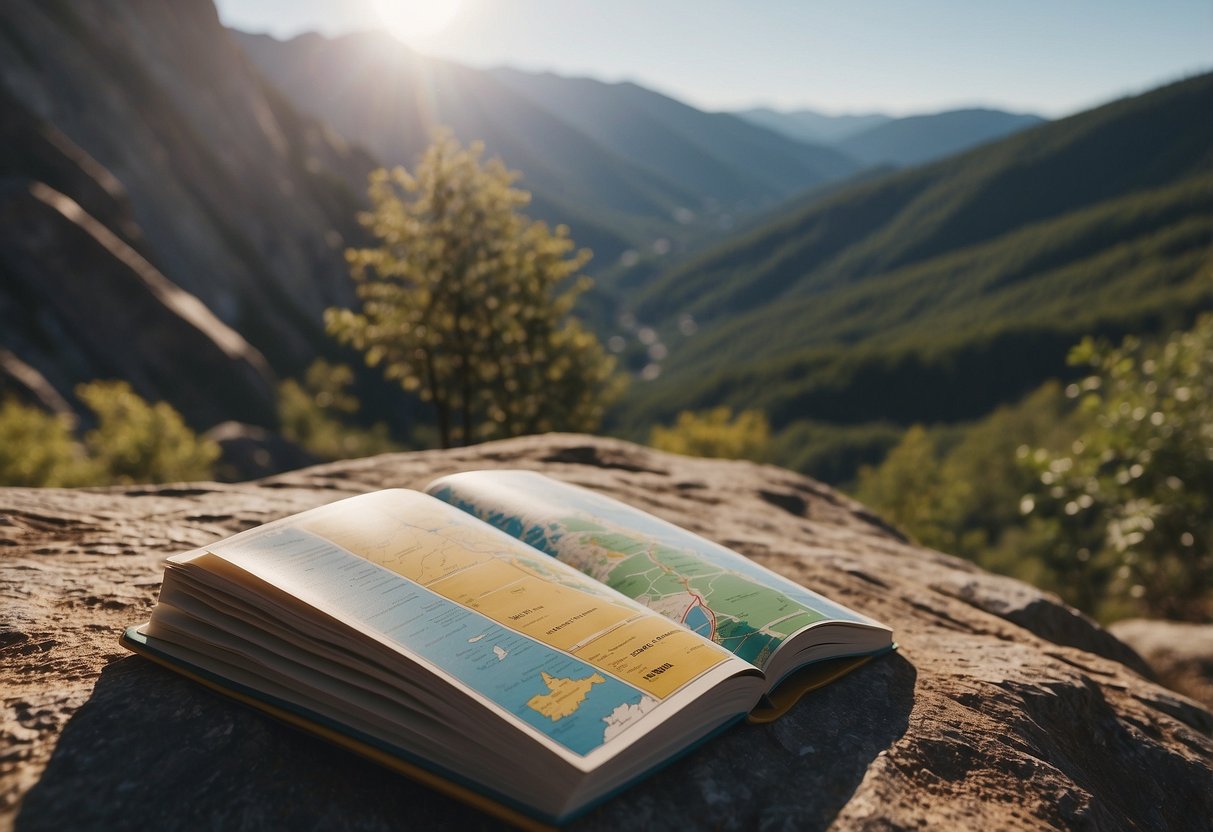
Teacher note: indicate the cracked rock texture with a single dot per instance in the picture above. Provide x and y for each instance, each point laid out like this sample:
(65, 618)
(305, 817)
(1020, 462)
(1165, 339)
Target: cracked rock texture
(1003, 709)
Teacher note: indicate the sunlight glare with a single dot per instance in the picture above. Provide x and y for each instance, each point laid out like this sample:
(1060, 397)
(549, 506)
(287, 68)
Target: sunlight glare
(415, 21)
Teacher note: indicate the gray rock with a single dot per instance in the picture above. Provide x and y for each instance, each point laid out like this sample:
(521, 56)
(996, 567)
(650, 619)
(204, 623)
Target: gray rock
(248, 452)
(991, 716)
(1179, 653)
(238, 199)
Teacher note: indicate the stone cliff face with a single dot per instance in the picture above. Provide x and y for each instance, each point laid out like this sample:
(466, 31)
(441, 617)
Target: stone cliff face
(104, 312)
(182, 151)
(1003, 709)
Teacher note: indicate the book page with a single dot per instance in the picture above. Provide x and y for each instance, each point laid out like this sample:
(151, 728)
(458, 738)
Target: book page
(709, 589)
(572, 660)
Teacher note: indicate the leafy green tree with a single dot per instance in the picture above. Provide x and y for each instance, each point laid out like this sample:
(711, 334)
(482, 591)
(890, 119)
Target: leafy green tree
(467, 302)
(38, 449)
(910, 490)
(716, 433)
(316, 414)
(135, 441)
(983, 477)
(1138, 480)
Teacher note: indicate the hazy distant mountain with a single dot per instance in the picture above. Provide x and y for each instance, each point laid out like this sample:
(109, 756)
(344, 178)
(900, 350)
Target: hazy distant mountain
(718, 156)
(374, 90)
(811, 126)
(935, 293)
(884, 140)
(620, 164)
(917, 139)
(163, 209)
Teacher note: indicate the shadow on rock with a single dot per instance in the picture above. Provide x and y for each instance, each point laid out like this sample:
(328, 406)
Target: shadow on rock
(796, 773)
(152, 750)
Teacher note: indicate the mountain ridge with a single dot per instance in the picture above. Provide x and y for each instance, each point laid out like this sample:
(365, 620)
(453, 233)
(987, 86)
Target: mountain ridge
(880, 301)
(904, 141)
(615, 113)
(637, 166)
(811, 125)
(916, 140)
(150, 119)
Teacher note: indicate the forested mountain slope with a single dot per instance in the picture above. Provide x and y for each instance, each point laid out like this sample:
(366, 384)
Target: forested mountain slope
(939, 292)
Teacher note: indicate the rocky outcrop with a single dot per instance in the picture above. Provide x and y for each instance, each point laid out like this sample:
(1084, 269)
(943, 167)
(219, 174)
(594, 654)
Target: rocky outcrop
(1180, 654)
(248, 452)
(78, 303)
(233, 196)
(991, 715)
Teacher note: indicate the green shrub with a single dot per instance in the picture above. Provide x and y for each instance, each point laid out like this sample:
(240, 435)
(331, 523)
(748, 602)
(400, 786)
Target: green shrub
(716, 433)
(135, 441)
(316, 415)
(1137, 481)
(38, 449)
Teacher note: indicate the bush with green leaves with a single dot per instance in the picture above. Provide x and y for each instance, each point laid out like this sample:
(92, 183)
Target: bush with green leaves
(316, 414)
(716, 433)
(136, 441)
(133, 441)
(957, 489)
(1135, 488)
(38, 448)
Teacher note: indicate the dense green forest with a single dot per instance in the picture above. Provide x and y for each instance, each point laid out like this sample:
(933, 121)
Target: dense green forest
(939, 293)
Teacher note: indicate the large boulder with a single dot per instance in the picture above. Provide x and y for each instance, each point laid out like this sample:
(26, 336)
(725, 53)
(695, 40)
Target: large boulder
(1003, 709)
(1180, 653)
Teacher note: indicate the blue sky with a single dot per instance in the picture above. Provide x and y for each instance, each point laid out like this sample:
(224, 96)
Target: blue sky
(1052, 57)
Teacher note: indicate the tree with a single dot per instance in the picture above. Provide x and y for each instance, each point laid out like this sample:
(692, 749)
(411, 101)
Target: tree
(909, 489)
(716, 433)
(467, 302)
(1138, 480)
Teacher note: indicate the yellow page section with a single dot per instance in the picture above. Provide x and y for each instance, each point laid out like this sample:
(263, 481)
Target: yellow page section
(468, 562)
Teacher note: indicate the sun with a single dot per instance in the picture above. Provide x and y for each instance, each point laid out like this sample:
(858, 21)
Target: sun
(416, 21)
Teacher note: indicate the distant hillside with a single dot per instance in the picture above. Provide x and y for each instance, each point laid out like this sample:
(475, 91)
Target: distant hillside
(880, 140)
(938, 292)
(170, 219)
(621, 165)
(717, 156)
(372, 87)
(810, 126)
(915, 140)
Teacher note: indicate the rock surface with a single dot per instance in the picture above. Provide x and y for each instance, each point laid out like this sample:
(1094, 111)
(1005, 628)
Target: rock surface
(1002, 710)
(1180, 654)
(150, 118)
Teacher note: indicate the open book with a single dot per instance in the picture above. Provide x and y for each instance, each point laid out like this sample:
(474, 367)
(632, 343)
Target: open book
(526, 644)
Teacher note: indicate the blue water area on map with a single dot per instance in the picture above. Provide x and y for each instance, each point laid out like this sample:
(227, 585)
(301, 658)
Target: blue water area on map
(440, 631)
(697, 620)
